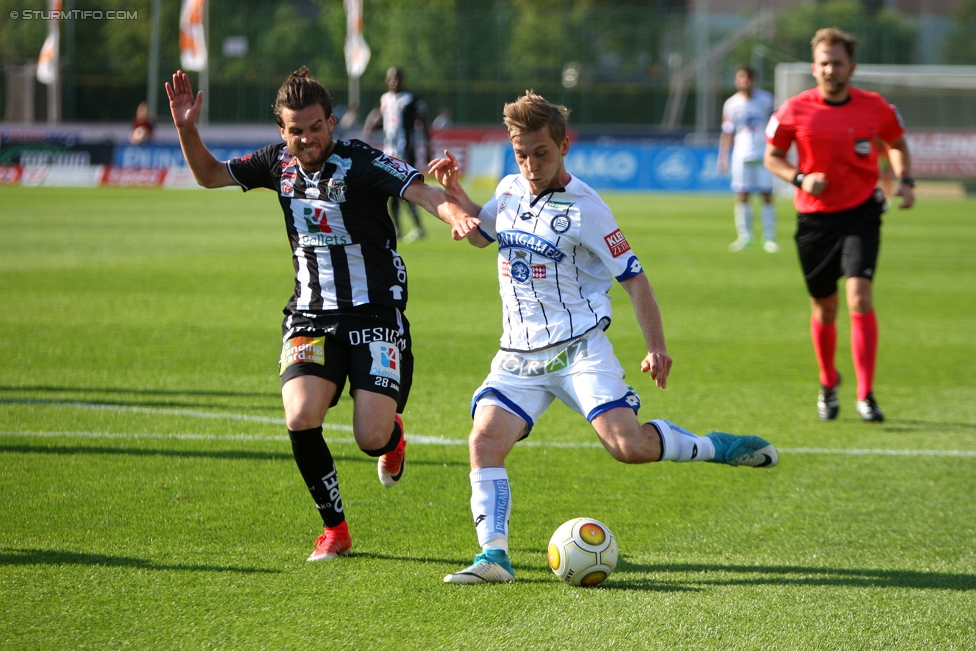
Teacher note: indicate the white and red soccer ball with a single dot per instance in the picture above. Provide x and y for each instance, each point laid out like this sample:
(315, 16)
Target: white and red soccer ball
(583, 552)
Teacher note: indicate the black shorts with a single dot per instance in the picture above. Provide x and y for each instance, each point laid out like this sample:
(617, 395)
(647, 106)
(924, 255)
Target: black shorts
(368, 344)
(843, 243)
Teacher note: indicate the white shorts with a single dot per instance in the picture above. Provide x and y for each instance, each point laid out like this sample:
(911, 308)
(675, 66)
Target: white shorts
(583, 373)
(751, 176)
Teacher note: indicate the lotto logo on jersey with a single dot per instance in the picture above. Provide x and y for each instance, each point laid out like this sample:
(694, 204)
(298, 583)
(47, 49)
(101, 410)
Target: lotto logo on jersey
(617, 243)
(393, 166)
(386, 360)
(301, 349)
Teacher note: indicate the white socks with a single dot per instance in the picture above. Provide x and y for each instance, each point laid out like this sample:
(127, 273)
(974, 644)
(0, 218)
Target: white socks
(491, 505)
(743, 221)
(678, 444)
(769, 222)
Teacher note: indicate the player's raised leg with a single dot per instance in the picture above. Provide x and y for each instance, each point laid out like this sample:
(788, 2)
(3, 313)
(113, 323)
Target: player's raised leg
(661, 440)
(306, 400)
(493, 435)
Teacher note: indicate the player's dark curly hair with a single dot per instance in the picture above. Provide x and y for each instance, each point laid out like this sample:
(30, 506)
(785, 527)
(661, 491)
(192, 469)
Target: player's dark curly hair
(300, 91)
(532, 112)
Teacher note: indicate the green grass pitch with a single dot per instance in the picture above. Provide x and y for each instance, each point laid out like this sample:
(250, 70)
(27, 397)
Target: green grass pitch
(148, 498)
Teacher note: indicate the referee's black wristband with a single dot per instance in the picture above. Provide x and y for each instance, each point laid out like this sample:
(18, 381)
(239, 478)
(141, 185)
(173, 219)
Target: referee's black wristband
(798, 179)
(909, 181)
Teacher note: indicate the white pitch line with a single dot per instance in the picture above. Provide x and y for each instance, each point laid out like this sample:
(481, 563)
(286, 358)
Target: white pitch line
(417, 439)
(414, 438)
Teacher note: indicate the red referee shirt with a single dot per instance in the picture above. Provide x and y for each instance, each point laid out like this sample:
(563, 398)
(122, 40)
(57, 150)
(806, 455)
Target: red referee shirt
(838, 141)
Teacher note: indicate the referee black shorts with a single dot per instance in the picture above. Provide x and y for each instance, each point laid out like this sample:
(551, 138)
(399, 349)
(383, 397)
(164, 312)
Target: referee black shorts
(368, 344)
(843, 243)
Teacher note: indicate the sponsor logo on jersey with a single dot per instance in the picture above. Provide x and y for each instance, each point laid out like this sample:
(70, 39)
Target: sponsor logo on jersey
(345, 164)
(559, 224)
(312, 240)
(504, 201)
(521, 271)
(316, 219)
(393, 166)
(301, 349)
(530, 242)
(534, 366)
(336, 190)
(311, 192)
(617, 243)
(287, 189)
(245, 158)
(386, 360)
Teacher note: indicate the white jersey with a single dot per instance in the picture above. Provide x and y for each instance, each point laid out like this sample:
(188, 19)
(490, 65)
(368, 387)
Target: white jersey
(558, 254)
(746, 118)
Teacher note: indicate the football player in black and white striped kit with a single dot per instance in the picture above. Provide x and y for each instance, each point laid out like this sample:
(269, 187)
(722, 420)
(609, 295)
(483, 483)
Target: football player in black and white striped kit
(345, 319)
(559, 251)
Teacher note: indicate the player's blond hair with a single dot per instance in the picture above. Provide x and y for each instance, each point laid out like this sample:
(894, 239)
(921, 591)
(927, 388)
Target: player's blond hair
(832, 36)
(300, 91)
(532, 112)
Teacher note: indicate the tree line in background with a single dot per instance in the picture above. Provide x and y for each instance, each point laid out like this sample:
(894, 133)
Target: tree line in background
(468, 55)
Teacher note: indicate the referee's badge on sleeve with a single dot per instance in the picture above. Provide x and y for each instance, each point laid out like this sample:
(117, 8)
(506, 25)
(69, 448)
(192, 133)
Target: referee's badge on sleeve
(771, 127)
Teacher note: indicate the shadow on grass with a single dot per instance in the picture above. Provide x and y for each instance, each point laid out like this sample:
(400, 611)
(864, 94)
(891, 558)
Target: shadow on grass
(802, 576)
(691, 577)
(911, 426)
(141, 392)
(536, 574)
(250, 455)
(60, 557)
(138, 404)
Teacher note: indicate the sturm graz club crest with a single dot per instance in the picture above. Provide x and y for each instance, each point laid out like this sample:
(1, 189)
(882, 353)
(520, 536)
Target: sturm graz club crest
(520, 271)
(559, 224)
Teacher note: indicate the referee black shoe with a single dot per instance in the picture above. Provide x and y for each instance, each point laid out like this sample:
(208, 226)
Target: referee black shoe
(828, 405)
(868, 410)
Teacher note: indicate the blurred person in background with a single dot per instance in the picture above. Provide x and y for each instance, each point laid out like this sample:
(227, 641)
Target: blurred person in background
(744, 117)
(836, 128)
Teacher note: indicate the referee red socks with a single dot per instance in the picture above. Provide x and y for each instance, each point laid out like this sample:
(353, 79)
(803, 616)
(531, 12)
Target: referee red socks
(864, 348)
(824, 337)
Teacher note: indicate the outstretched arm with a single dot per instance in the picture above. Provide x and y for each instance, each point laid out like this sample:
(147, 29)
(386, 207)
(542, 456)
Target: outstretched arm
(657, 361)
(207, 170)
(441, 205)
(446, 171)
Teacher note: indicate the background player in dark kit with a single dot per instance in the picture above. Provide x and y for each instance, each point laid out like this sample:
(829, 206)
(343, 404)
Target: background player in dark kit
(399, 114)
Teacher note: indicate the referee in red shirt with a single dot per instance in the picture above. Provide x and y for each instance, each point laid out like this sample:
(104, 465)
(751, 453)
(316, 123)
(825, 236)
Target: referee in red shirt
(837, 130)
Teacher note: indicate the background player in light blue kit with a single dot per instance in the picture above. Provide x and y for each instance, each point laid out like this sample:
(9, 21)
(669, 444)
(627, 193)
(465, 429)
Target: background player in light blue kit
(744, 118)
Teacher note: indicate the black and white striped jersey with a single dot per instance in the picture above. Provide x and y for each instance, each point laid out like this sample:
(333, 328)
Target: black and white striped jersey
(558, 254)
(342, 237)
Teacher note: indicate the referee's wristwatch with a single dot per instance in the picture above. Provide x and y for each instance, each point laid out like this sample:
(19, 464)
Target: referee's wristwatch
(798, 179)
(909, 181)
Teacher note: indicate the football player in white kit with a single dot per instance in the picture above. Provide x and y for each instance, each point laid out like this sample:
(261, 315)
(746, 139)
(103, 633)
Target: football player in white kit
(559, 250)
(744, 118)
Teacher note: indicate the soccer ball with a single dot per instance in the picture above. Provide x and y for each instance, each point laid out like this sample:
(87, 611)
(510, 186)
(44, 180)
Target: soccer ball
(583, 552)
